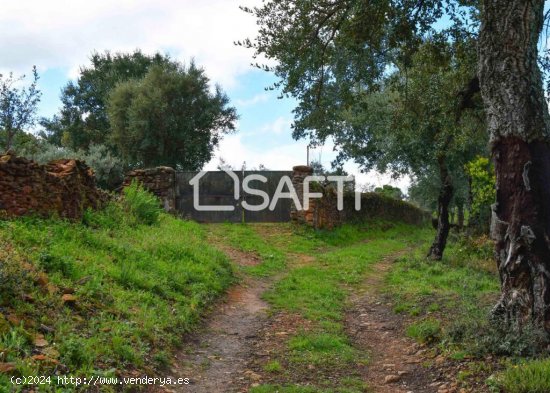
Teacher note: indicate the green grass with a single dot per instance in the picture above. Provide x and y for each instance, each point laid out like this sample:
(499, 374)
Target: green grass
(426, 331)
(462, 285)
(284, 389)
(318, 291)
(321, 348)
(449, 304)
(347, 385)
(527, 377)
(138, 288)
(357, 388)
(273, 366)
(243, 237)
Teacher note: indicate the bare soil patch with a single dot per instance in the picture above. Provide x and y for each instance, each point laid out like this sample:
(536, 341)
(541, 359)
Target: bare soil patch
(215, 358)
(241, 258)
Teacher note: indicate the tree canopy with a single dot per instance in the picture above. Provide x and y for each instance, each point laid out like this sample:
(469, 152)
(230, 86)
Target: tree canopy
(82, 119)
(170, 117)
(18, 106)
(382, 82)
(390, 191)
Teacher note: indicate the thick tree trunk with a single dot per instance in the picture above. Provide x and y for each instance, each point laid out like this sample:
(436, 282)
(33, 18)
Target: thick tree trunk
(443, 201)
(517, 115)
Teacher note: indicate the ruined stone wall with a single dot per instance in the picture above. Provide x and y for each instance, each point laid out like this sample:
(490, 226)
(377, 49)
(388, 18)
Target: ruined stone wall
(299, 173)
(324, 213)
(161, 181)
(63, 187)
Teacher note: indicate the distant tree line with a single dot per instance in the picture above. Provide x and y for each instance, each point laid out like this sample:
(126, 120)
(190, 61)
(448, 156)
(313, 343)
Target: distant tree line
(125, 110)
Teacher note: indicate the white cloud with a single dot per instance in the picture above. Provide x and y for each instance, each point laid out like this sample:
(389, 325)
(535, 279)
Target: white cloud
(281, 157)
(258, 98)
(63, 33)
(281, 125)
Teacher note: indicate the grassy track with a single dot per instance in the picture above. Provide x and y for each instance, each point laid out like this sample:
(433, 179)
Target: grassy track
(318, 290)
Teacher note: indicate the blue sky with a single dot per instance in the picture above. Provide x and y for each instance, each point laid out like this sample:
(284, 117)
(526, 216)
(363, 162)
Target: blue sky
(59, 35)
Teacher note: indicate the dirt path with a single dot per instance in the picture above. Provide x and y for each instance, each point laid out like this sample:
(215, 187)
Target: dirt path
(240, 336)
(395, 364)
(215, 358)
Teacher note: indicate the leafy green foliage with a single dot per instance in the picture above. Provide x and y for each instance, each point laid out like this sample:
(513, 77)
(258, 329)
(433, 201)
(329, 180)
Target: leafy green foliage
(169, 117)
(380, 80)
(526, 377)
(390, 191)
(83, 120)
(427, 331)
(146, 110)
(327, 53)
(142, 204)
(108, 168)
(337, 59)
(18, 106)
(483, 181)
(138, 288)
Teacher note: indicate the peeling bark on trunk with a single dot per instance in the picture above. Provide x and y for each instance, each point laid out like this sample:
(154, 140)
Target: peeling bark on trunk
(443, 201)
(517, 115)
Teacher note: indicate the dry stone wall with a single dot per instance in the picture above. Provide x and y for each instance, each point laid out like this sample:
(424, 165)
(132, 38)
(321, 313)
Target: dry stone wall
(324, 213)
(63, 187)
(161, 181)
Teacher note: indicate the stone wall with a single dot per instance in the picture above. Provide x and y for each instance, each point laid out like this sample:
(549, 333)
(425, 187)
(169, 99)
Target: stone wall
(299, 173)
(324, 213)
(382, 207)
(161, 181)
(62, 187)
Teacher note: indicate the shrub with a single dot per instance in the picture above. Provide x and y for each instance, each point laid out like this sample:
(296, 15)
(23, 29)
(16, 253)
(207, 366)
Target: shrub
(109, 217)
(497, 338)
(144, 206)
(108, 169)
(75, 352)
(52, 263)
(426, 331)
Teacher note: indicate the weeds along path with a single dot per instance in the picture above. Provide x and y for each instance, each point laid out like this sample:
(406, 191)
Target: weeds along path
(321, 328)
(395, 364)
(215, 358)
